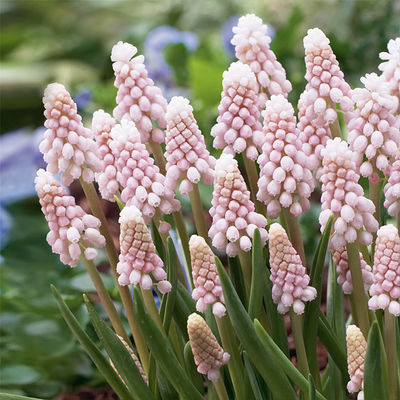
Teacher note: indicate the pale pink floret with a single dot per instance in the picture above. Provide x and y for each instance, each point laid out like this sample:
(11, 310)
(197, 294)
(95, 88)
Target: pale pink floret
(288, 275)
(208, 355)
(71, 229)
(343, 197)
(208, 290)
(138, 256)
(341, 261)
(68, 147)
(102, 123)
(137, 99)
(326, 86)
(385, 290)
(285, 176)
(238, 129)
(186, 152)
(232, 211)
(252, 47)
(141, 182)
(374, 130)
(392, 188)
(356, 349)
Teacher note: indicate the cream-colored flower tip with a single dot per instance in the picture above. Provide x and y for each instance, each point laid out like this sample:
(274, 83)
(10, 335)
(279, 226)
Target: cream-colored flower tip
(209, 356)
(356, 349)
(288, 275)
(208, 290)
(138, 256)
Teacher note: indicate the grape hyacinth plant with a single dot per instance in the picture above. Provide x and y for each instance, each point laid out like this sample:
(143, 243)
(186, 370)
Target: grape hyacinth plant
(220, 329)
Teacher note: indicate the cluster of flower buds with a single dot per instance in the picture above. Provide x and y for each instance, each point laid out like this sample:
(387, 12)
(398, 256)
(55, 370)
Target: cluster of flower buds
(232, 211)
(138, 99)
(71, 229)
(186, 152)
(68, 147)
(392, 188)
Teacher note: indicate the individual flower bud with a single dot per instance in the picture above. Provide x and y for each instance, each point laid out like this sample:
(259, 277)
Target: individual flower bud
(285, 176)
(209, 356)
(138, 256)
(343, 197)
(138, 99)
(252, 47)
(186, 152)
(68, 147)
(238, 129)
(208, 290)
(356, 349)
(288, 275)
(232, 210)
(71, 229)
(392, 188)
(385, 290)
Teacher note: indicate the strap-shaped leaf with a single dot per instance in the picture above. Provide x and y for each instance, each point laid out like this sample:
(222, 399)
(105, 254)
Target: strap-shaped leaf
(155, 234)
(191, 368)
(236, 274)
(311, 385)
(9, 396)
(252, 377)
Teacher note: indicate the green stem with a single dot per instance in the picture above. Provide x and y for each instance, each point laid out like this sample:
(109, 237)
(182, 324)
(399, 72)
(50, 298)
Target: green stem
(358, 294)
(391, 353)
(353, 308)
(374, 195)
(245, 262)
(335, 126)
(152, 308)
(252, 175)
(156, 149)
(220, 389)
(198, 214)
(297, 331)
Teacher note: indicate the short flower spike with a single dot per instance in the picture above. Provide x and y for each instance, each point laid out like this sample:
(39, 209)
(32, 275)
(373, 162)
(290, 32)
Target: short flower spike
(392, 188)
(209, 356)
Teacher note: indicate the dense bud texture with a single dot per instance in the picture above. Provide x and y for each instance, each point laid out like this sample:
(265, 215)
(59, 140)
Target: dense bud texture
(385, 290)
(238, 129)
(142, 183)
(356, 349)
(373, 130)
(138, 256)
(68, 147)
(138, 99)
(326, 86)
(341, 261)
(71, 229)
(186, 152)
(285, 177)
(392, 188)
(343, 197)
(209, 356)
(208, 290)
(252, 47)
(288, 275)
(232, 211)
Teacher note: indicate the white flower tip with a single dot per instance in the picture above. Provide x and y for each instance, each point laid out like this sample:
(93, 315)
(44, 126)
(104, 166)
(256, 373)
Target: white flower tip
(123, 52)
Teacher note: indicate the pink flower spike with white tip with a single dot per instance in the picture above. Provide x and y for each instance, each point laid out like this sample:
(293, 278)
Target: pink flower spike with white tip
(392, 188)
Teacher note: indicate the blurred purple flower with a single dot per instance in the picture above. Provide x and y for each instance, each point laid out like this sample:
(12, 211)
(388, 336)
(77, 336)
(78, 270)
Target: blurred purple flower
(5, 226)
(82, 98)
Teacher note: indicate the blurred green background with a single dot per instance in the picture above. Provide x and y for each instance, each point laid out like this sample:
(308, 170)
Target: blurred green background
(186, 44)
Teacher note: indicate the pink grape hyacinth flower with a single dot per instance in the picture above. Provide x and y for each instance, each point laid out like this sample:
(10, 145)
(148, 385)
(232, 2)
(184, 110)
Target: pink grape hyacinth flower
(186, 153)
(138, 256)
(138, 99)
(288, 275)
(232, 211)
(392, 188)
(71, 229)
(285, 176)
(385, 290)
(343, 197)
(68, 147)
(208, 290)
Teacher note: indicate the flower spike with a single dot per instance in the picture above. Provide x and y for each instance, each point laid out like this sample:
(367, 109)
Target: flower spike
(392, 188)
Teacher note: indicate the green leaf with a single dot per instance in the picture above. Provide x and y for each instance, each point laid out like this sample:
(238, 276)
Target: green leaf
(236, 274)
(311, 384)
(94, 353)
(155, 234)
(184, 306)
(9, 396)
(252, 377)
(191, 368)
(119, 202)
(18, 375)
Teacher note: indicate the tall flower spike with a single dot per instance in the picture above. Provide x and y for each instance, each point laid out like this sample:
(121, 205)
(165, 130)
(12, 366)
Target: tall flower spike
(102, 123)
(343, 197)
(208, 290)
(138, 99)
(238, 129)
(285, 177)
(326, 86)
(288, 275)
(71, 229)
(68, 147)
(186, 152)
(209, 356)
(138, 256)
(341, 261)
(252, 47)
(142, 183)
(385, 291)
(373, 130)
(356, 349)
(392, 188)
(232, 211)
